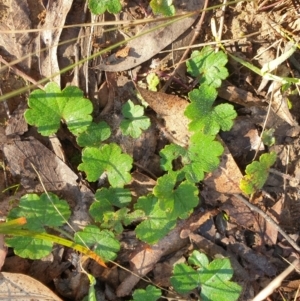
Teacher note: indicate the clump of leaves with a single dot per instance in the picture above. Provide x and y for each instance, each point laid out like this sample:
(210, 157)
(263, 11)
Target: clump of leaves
(211, 278)
(257, 173)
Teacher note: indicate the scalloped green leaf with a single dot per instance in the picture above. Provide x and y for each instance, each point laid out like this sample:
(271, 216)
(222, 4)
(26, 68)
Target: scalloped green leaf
(164, 7)
(103, 242)
(29, 247)
(257, 173)
(94, 135)
(134, 121)
(184, 278)
(201, 156)
(204, 117)
(46, 210)
(119, 197)
(151, 293)
(109, 159)
(209, 66)
(158, 222)
(179, 201)
(98, 7)
(213, 279)
(48, 108)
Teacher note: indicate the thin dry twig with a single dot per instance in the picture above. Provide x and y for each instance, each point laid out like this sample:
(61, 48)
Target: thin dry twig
(275, 283)
(269, 220)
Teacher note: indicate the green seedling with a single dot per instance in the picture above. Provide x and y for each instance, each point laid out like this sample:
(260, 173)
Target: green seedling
(257, 173)
(212, 279)
(209, 66)
(163, 7)
(98, 7)
(134, 121)
(152, 81)
(151, 293)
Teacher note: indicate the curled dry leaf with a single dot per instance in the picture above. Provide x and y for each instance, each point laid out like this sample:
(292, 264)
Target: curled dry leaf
(146, 46)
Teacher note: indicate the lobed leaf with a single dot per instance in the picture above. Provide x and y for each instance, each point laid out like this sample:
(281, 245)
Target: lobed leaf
(48, 108)
(158, 222)
(179, 201)
(206, 118)
(103, 242)
(29, 247)
(94, 135)
(201, 156)
(257, 173)
(209, 66)
(164, 7)
(46, 210)
(98, 7)
(108, 159)
(134, 121)
(151, 293)
(213, 279)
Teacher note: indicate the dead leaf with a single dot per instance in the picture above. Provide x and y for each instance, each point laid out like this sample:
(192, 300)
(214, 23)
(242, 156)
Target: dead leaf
(19, 287)
(146, 46)
(171, 109)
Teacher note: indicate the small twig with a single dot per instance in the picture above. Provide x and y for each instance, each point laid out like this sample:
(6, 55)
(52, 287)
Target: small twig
(20, 73)
(270, 288)
(269, 220)
(196, 34)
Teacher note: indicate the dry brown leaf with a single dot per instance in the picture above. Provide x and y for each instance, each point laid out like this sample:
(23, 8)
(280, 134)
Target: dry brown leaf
(171, 109)
(19, 287)
(146, 46)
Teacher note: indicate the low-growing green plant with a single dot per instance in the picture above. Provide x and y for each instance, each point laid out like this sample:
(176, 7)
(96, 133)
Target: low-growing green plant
(175, 194)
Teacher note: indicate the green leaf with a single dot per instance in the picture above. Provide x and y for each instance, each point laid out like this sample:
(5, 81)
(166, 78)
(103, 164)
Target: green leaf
(151, 293)
(204, 117)
(164, 7)
(198, 259)
(257, 173)
(215, 284)
(158, 222)
(108, 159)
(184, 278)
(134, 121)
(47, 109)
(152, 81)
(114, 220)
(177, 202)
(94, 135)
(103, 242)
(202, 156)
(268, 137)
(41, 211)
(209, 66)
(99, 208)
(29, 247)
(212, 278)
(119, 197)
(98, 7)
